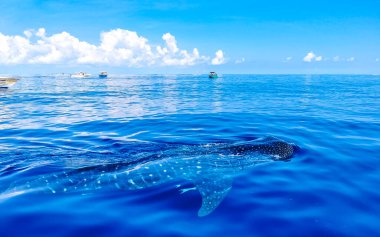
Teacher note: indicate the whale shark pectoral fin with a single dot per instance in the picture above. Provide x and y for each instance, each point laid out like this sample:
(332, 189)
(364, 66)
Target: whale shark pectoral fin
(213, 192)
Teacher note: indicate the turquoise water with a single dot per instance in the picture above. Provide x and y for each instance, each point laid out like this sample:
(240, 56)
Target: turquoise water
(329, 187)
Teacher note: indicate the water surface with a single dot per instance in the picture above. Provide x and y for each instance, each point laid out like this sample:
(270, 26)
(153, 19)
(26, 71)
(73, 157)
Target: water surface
(329, 187)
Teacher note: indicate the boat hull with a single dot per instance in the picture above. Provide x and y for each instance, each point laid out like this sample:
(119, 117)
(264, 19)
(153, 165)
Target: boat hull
(212, 75)
(80, 75)
(7, 82)
(72, 76)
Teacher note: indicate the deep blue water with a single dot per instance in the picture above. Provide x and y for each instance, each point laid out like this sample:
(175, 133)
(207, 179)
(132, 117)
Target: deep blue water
(330, 187)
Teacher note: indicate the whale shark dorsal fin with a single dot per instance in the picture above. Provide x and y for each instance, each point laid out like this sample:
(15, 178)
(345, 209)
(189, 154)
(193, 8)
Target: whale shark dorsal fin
(213, 192)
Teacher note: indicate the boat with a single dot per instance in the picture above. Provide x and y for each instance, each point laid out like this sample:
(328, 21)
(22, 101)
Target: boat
(103, 75)
(80, 75)
(213, 75)
(6, 82)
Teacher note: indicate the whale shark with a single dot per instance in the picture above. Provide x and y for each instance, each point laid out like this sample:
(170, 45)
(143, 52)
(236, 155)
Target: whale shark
(210, 167)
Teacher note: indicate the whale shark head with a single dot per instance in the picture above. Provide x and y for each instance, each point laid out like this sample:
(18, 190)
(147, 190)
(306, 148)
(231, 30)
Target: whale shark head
(277, 149)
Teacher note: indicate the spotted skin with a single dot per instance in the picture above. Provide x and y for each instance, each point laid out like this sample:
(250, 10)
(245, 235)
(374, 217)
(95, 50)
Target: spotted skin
(209, 167)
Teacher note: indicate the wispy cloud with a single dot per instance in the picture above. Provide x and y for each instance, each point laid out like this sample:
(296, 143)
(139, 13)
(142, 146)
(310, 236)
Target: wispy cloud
(312, 57)
(239, 61)
(336, 59)
(117, 47)
(343, 59)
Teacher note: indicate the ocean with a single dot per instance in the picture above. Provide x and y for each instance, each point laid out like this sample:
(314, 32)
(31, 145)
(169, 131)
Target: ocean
(51, 126)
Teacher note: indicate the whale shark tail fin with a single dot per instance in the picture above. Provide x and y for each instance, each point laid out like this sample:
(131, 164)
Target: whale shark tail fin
(213, 191)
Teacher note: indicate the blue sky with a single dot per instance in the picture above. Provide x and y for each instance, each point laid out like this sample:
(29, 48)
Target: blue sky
(291, 36)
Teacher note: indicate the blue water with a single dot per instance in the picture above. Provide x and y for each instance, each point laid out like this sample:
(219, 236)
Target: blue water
(330, 187)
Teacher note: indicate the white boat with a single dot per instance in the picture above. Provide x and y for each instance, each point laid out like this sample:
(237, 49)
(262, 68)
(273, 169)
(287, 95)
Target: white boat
(103, 75)
(6, 82)
(80, 75)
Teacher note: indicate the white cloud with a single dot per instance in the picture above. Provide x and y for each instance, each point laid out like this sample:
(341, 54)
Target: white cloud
(28, 33)
(351, 59)
(171, 55)
(13, 49)
(171, 43)
(309, 57)
(239, 61)
(41, 32)
(312, 57)
(219, 58)
(117, 47)
(336, 59)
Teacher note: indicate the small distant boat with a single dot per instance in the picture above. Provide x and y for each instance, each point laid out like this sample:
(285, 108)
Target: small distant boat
(80, 75)
(213, 75)
(103, 75)
(6, 82)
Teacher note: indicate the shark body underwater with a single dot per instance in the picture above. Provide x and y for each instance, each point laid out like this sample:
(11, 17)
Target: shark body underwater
(211, 168)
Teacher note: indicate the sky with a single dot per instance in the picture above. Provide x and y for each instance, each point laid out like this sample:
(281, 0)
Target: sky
(190, 36)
